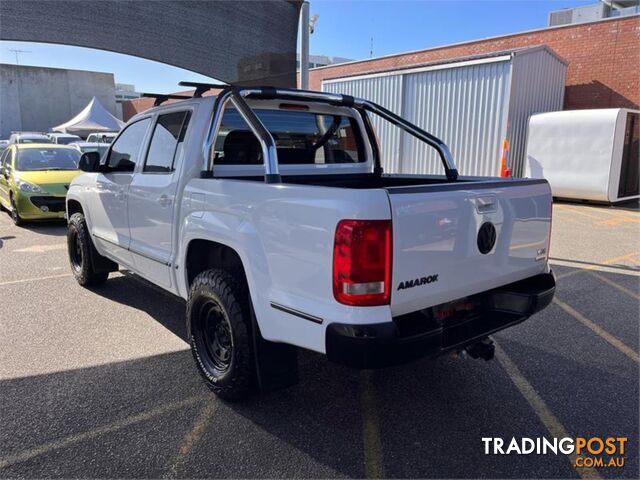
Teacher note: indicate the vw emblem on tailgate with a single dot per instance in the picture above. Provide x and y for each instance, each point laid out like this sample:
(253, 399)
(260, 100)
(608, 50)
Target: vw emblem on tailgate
(486, 237)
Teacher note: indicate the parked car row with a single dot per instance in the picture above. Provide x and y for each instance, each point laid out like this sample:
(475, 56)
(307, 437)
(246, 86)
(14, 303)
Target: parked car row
(35, 178)
(36, 169)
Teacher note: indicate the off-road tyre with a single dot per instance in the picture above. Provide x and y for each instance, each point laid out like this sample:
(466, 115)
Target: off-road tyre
(82, 253)
(220, 328)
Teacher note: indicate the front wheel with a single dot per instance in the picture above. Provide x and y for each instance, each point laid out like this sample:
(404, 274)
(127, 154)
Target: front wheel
(220, 325)
(15, 215)
(81, 249)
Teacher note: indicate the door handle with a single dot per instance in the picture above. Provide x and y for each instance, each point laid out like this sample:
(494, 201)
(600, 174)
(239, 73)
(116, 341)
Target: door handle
(164, 200)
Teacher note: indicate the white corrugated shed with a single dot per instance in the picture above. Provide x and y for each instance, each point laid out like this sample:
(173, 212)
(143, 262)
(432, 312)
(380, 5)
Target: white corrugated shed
(472, 104)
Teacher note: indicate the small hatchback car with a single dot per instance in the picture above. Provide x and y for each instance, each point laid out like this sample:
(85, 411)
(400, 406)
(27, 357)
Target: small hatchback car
(34, 179)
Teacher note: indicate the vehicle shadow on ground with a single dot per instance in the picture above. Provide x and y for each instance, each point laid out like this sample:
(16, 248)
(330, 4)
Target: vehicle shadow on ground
(129, 289)
(429, 416)
(56, 228)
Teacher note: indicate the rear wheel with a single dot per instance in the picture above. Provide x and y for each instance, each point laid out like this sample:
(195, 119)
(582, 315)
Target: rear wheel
(81, 250)
(15, 215)
(220, 324)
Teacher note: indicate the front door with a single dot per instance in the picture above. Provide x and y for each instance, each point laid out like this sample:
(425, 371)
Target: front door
(5, 168)
(152, 198)
(109, 219)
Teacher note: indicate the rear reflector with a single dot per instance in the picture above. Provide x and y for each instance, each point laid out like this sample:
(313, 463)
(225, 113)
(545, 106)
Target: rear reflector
(362, 262)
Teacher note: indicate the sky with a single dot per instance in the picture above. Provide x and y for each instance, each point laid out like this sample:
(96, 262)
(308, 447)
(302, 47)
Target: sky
(345, 28)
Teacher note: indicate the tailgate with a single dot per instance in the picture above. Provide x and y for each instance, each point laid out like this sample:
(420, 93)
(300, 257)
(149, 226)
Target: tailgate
(458, 239)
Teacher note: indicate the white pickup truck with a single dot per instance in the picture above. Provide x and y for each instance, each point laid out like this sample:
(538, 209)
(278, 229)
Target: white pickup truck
(268, 211)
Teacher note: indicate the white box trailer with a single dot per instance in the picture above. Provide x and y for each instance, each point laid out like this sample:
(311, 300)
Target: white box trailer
(586, 154)
(473, 104)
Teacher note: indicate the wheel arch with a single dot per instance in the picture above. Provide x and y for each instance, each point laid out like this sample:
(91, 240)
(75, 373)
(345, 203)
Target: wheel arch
(73, 206)
(204, 254)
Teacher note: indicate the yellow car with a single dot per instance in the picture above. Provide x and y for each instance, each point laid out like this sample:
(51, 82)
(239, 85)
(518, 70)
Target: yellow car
(34, 179)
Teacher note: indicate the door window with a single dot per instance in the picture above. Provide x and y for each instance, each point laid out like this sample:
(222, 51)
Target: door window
(167, 142)
(126, 150)
(3, 158)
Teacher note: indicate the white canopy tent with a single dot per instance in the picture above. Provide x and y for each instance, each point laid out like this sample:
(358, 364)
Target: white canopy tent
(93, 118)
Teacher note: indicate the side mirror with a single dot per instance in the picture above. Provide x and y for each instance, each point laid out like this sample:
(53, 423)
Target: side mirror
(89, 162)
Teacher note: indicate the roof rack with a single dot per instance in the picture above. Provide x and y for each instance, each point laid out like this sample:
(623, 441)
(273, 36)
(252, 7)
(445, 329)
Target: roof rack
(163, 97)
(202, 87)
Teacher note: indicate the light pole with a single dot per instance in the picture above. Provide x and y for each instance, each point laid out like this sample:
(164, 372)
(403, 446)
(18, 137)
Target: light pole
(304, 46)
(17, 52)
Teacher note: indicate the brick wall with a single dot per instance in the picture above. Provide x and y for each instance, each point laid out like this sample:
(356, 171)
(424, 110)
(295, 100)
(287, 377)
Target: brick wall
(604, 60)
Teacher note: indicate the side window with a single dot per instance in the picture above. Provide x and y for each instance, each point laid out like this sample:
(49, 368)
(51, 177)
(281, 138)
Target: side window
(167, 142)
(3, 158)
(125, 151)
(7, 159)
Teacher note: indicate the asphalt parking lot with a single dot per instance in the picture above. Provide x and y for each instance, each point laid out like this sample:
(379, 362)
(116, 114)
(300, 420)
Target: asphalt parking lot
(101, 383)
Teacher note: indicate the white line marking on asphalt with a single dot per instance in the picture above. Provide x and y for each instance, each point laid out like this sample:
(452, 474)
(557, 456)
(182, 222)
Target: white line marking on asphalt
(192, 437)
(539, 406)
(35, 279)
(81, 437)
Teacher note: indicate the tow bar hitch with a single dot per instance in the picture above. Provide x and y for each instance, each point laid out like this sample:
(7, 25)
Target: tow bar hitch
(483, 348)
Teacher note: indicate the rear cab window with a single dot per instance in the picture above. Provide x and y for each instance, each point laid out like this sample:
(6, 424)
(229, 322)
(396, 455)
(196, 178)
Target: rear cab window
(302, 137)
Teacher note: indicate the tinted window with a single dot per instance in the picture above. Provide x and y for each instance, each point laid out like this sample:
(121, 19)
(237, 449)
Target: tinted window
(100, 149)
(167, 142)
(68, 140)
(30, 159)
(100, 138)
(34, 140)
(4, 158)
(125, 151)
(301, 138)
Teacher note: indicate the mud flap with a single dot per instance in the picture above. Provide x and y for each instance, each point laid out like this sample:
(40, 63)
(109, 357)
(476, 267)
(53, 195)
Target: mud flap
(276, 363)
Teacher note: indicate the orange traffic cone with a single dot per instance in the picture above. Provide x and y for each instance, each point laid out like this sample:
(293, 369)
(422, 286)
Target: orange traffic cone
(504, 170)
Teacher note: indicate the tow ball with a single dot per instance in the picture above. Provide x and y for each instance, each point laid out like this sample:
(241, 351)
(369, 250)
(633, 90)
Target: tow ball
(483, 348)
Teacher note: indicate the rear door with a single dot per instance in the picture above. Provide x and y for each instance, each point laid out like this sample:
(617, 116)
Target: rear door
(152, 197)
(454, 240)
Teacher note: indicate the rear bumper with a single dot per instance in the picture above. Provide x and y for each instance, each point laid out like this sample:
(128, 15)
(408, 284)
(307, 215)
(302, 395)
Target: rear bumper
(419, 334)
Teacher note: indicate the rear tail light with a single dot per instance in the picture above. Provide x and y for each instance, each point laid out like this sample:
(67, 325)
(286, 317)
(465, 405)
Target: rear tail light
(362, 262)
